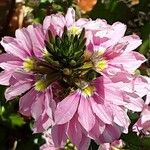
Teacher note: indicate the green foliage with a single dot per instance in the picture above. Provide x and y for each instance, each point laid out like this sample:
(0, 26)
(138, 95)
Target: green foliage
(16, 120)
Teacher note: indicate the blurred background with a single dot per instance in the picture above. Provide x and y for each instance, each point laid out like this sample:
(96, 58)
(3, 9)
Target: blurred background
(16, 130)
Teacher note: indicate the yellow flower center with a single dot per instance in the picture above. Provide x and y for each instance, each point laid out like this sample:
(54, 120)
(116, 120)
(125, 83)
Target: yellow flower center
(74, 30)
(40, 85)
(101, 65)
(28, 64)
(88, 91)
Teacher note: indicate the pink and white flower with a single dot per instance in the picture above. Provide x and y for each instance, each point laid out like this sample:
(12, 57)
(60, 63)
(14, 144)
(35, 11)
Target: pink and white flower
(116, 145)
(100, 109)
(76, 77)
(143, 123)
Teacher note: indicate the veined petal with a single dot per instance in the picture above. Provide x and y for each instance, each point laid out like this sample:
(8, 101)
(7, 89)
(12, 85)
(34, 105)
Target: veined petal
(5, 57)
(67, 108)
(42, 123)
(24, 38)
(5, 77)
(141, 85)
(101, 112)
(37, 36)
(59, 135)
(17, 89)
(55, 23)
(134, 58)
(74, 131)
(133, 102)
(50, 104)
(11, 46)
(114, 51)
(98, 129)
(12, 65)
(26, 102)
(121, 118)
(22, 76)
(85, 142)
(118, 29)
(86, 116)
(37, 107)
(133, 42)
(70, 17)
(111, 133)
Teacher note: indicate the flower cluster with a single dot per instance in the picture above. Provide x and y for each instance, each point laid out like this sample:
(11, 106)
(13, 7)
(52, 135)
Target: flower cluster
(76, 78)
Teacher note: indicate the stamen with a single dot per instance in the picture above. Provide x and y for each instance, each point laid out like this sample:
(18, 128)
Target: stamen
(74, 30)
(28, 64)
(40, 85)
(101, 65)
(88, 91)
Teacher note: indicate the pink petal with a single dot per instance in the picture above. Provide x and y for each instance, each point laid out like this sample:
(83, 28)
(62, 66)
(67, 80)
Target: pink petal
(23, 76)
(105, 146)
(113, 95)
(42, 123)
(17, 89)
(8, 57)
(58, 135)
(37, 39)
(47, 123)
(85, 143)
(133, 42)
(67, 108)
(116, 29)
(81, 22)
(24, 38)
(101, 111)
(134, 58)
(147, 99)
(37, 107)
(5, 77)
(114, 51)
(55, 23)
(50, 104)
(47, 147)
(11, 46)
(11, 65)
(133, 102)
(98, 129)
(141, 85)
(86, 116)
(74, 131)
(70, 17)
(110, 134)
(121, 118)
(26, 102)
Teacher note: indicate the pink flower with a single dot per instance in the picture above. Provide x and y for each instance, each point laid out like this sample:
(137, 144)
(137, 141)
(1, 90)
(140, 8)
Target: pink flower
(74, 77)
(143, 123)
(112, 56)
(49, 145)
(116, 145)
(29, 42)
(100, 109)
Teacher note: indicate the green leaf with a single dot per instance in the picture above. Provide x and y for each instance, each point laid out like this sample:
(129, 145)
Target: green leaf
(145, 47)
(16, 120)
(146, 142)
